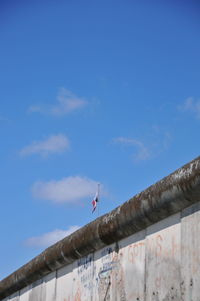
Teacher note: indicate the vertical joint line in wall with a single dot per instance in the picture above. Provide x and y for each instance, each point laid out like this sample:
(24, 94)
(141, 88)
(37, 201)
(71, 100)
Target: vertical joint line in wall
(181, 255)
(55, 293)
(93, 275)
(145, 265)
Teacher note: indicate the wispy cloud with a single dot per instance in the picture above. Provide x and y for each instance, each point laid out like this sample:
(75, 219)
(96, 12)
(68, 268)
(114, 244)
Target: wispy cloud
(52, 145)
(167, 138)
(66, 102)
(49, 238)
(142, 153)
(191, 105)
(161, 138)
(67, 190)
(4, 119)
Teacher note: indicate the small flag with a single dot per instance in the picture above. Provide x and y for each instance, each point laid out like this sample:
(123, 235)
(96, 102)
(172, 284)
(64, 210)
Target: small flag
(94, 202)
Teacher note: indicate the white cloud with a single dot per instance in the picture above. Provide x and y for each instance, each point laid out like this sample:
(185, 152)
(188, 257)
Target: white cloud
(67, 102)
(67, 190)
(52, 145)
(49, 238)
(142, 153)
(191, 105)
(34, 109)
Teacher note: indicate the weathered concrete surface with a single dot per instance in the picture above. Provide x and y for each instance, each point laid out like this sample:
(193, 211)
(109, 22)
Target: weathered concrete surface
(155, 264)
(190, 253)
(24, 293)
(65, 283)
(132, 253)
(49, 287)
(163, 260)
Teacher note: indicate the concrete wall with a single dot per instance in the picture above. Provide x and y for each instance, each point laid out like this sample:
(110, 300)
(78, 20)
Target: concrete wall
(147, 249)
(158, 263)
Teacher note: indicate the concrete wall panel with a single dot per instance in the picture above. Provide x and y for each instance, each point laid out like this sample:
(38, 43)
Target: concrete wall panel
(49, 287)
(24, 293)
(190, 253)
(36, 292)
(132, 267)
(64, 284)
(103, 269)
(84, 275)
(163, 260)
(119, 270)
(117, 278)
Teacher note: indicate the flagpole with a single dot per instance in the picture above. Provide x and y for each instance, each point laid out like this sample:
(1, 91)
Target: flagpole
(98, 191)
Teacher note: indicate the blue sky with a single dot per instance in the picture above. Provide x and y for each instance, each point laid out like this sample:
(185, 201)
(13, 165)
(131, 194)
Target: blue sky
(91, 91)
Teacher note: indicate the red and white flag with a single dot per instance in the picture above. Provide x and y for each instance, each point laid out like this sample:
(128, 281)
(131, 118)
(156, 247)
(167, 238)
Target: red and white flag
(94, 201)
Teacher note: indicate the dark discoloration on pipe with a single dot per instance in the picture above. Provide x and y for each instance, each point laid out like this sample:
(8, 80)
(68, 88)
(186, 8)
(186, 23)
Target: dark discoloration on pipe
(169, 196)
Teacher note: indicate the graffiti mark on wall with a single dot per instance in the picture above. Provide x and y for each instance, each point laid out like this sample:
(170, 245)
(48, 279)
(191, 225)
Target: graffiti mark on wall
(111, 284)
(135, 251)
(110, 276)
(84, 263)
